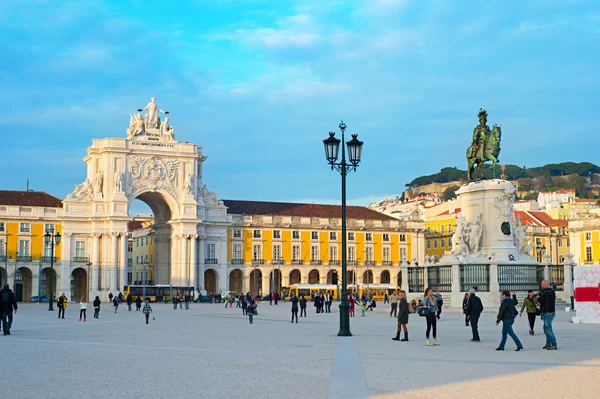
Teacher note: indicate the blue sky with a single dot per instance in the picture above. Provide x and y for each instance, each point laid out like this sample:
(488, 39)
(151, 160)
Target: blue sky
(258, 84)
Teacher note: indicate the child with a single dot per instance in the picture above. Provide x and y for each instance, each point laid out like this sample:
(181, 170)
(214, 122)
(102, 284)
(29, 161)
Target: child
(250, 312)
(147, 309)
(82, 309)
(363, 308)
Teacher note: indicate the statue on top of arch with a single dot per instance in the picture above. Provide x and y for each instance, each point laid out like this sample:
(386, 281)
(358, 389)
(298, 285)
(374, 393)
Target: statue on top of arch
(150, 123)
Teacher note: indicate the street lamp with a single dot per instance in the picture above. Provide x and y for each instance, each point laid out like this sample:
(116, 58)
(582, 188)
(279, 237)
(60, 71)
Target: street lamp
(52, 239)
(332, 148)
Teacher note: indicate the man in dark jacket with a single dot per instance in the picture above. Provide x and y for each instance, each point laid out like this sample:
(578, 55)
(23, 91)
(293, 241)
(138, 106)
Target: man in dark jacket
(8, 302)
(547, 299)
(302, 306)
(473, 311)
(61, 303)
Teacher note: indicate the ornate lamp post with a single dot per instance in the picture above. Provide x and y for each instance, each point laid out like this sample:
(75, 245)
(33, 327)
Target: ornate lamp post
(332, 147)
(52, 239)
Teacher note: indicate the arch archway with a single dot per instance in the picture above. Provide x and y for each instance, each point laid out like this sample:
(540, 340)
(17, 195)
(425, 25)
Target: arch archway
(211, 278)
(332, 277)
(256, 282)
(275, 280)
(295, 277)
(235, 280)
(23, 281)
(351, 277)
(45, 287)
(368, 277)
(79, 286)
(313, 277)
(385, 277)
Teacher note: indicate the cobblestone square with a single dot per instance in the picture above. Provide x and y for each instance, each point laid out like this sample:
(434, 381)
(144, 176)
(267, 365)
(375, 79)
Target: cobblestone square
(213, 352)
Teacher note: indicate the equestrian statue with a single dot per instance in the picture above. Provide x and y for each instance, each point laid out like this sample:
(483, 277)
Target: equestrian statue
(485, 146)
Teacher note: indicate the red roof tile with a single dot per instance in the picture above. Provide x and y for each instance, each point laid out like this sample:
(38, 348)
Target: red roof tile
(306, 210)
(527, 219)
(545, 218)
(134, 225)
(29, 198)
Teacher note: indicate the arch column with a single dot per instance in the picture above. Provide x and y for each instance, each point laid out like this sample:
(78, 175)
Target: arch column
(223, 282)
(193, 260)
(202, 256)
(123, 277)
(184, 268)
(95, 261)
(245, 282)
(266, 282)
(115, 260)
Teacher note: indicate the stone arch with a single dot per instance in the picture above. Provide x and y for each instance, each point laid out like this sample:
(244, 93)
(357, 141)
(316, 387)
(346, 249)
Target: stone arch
(256, 282)
(211, 280)
(333, 277)
(79, 286)
(45, 287)
(23, 284)
(385, 277)
(156, 200)
(313, 277)
(275, 280)
(235, 280)
(295, 277)
(351, 277)
(368, 277)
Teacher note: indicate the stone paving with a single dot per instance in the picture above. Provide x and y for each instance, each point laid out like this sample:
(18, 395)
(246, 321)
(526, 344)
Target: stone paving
(213, 352)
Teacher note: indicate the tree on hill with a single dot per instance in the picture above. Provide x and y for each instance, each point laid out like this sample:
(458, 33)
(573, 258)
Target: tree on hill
(449, 193)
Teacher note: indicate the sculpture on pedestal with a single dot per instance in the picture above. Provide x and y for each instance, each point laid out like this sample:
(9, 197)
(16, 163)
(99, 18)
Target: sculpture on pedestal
(118, 181)
(82, 191)
(520, 235)
(467, 237)
(189, 186)
(167, 129)
(485, 146)
(99, 182)
(459, 247)
(209, 198)
(152, 120)
(136, 125)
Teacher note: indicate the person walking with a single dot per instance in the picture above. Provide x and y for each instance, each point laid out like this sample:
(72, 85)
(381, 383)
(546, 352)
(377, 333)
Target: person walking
(351, 302)
(328, 302)
(402, 317)
(174, 300)
(120, 296)
(440, 302)
(363, 307)
(430, 303)
(180, 300)
(393, 300)
(62, 304)
(116, 303)
(531, 304)
(294, 301)
(129, 302)
(547, 301)
(386, 298)
(238, 302)
(464, 307)
(8, 304)
(96, 304)
(110, 298)
(302, 302)
(473, 311)
(244, 305)
(188, 299)
(138, 303)
(250, 312)
(147, 310)
(506, 315)
(83, 309)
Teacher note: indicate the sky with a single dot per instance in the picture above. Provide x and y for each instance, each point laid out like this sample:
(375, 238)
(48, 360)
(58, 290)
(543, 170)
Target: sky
(259, 84)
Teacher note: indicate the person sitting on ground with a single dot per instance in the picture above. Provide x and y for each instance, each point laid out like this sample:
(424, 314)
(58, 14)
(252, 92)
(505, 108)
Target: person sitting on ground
(372, 305)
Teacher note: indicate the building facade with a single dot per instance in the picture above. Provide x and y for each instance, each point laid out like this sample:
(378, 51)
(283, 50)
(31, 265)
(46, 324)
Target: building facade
(273, 244)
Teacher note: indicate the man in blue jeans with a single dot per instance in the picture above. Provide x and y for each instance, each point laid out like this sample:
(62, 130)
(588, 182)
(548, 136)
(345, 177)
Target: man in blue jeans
(547, 300)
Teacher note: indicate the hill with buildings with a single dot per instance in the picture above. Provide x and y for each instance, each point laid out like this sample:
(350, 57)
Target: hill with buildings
(583, 177)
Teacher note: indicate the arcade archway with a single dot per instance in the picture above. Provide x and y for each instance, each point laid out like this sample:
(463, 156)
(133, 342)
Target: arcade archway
(79, 286)
(368, 277)
(313, 277)
(45, 287)
(385, 277)
(275, 280)
(211, 280)
(332, 277)
(295, 277)
(23, 281)
(235, 280)
(256, 282)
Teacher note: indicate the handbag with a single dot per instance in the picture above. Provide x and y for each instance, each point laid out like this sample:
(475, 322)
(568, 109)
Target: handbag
(424, 311)
(410, 309)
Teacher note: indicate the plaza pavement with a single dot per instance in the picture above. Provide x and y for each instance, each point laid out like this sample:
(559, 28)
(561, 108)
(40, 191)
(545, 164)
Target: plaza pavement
(213, 352)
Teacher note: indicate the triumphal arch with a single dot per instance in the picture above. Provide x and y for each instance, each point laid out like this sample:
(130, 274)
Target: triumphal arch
(151, 165)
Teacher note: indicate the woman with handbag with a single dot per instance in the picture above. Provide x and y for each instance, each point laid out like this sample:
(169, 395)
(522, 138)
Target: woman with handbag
(403, 311)
(531, 303)
(428, 311)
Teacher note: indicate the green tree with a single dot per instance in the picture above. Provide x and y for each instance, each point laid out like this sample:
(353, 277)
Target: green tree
(449, 193)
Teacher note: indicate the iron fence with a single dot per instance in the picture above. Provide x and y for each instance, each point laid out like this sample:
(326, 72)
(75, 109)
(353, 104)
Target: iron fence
(539, 273)
(416, 279)
(517, 277)
(557, 277)
(475, 276)
(439, 278)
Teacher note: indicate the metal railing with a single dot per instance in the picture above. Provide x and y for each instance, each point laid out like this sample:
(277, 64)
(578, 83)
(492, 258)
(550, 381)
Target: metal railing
(517, 277)
(439, 278)
(416, 279)
(315, 262)
(211, 261)
(334, 263)
(278, 261)
(369, 263)
(237, 261)
(352, 263)
(258, 261)
(81, 259)
(557, 277)
(44, 259)
(539, 273)
(297, 262)
(26, 259)
(386, 263)
(475, 276)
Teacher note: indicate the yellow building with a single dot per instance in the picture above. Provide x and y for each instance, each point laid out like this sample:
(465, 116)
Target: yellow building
(547, 235)
(25, 217)
(440, 222)
(274, 244)
(585, 241)
(143, 254)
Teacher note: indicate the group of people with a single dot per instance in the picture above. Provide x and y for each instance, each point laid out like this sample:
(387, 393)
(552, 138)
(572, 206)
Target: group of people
(542, 304)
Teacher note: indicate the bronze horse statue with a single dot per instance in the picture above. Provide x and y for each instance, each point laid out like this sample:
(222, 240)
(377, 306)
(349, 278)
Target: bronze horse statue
(490, 152)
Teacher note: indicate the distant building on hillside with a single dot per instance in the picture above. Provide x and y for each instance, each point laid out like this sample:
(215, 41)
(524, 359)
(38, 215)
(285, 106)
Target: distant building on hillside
(553, 199)
(526, 205)
(409, 209)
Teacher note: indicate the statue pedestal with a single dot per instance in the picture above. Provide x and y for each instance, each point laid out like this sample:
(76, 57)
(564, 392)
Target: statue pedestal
(493, 200)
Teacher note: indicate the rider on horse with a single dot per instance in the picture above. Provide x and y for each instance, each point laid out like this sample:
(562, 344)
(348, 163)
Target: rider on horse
(480, 134)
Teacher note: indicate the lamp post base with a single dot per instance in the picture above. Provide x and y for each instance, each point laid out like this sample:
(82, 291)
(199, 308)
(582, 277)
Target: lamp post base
(344, 320)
